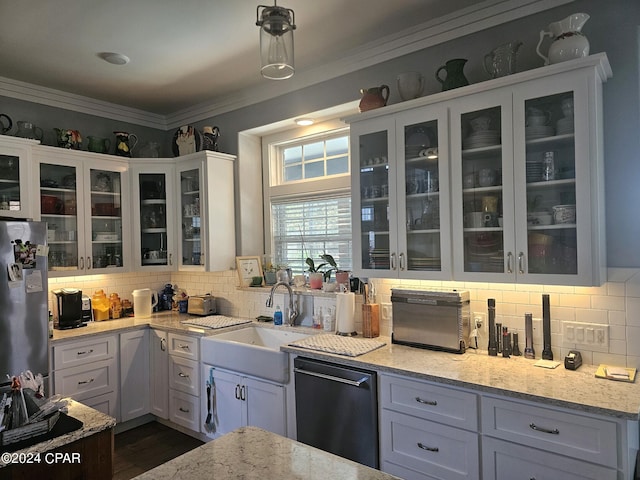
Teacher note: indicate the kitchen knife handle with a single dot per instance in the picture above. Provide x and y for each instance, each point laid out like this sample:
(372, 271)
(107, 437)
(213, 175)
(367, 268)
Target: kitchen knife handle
(533, 426)
(426, 402)
(429, 449)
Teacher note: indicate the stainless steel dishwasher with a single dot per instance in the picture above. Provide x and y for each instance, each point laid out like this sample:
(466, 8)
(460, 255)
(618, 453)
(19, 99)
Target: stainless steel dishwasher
(337, 409)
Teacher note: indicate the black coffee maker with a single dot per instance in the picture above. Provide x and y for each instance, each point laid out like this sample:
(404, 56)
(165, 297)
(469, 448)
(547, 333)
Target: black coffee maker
(67, 308)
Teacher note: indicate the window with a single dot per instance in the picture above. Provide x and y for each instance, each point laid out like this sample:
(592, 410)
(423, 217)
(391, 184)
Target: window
(308, 198)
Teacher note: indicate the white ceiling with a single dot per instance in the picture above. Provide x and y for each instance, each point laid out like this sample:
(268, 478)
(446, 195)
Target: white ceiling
(184, 52)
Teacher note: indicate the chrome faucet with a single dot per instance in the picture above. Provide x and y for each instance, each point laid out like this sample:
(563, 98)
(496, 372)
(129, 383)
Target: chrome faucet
(293, 312)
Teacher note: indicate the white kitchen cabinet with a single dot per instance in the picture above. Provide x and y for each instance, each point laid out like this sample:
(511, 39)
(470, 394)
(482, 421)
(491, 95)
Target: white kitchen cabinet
(158, 373)
(154, 198)
(400, 203)
(134, 374)
(522, 437)
(16, 197)
(427, 430)
(509, 219)
(206, 212)
(84, 197)
(239, 400)
(551, 210)
(87, 371)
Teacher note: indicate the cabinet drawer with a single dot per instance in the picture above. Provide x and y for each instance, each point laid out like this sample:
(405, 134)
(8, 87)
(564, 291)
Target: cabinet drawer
(183, 375)
(428, 447)
(184, 346)
(506, 461)
(184, 410)
(430, 402)
(559, 431)
(404, 473)
(107, 404)
(84, 351)
(88, 380)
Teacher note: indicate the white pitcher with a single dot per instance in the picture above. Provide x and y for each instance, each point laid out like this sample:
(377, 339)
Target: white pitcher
(410, 85)
(143, 302)
(569, 42)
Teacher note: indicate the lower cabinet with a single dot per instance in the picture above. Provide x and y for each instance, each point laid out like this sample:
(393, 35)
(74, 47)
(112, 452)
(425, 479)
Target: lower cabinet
(184, 380)
(158, 373)
(87, 371)
(134, 374)
(238, 400)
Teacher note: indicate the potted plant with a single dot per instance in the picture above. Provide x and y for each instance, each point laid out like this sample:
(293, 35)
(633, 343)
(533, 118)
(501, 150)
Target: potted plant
(342, 276)
(316, 274)
(270, 274)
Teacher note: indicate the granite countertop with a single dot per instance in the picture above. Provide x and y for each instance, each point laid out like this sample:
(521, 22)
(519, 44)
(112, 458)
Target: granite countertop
(252, 453)
(93, 422)
(515, 377)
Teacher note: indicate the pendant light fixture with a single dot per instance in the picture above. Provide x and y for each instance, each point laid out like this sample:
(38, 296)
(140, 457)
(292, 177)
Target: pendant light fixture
(276, 41)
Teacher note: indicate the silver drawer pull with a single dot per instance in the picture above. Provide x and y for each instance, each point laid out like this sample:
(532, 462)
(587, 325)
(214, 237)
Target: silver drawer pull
(184, 347)
(426, 402)
(183, 410)
(183, 375)
(429, 449)
(85, 352)
(84, 382)
(533, 426)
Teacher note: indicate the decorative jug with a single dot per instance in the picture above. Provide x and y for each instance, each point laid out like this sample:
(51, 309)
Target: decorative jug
(29, 130)
(150, 150)
(501, 61)
(68, 138)
(455, 76)
(98, 145)
(569, 42)
(4, 129)
(210, 138)
(410, 85)
(374, 97)
(125, 142)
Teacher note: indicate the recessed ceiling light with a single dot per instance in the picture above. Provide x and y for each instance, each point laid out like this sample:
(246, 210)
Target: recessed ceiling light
(114, 58)
(304, 122)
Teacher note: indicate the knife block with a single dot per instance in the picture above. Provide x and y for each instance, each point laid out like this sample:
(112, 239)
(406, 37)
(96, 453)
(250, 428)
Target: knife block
(370, 320)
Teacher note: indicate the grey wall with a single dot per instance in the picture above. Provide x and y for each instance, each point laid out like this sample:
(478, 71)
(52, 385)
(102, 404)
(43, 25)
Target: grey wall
(613, 28)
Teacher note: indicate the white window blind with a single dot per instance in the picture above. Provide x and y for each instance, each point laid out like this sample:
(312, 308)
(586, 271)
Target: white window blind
(310, 227)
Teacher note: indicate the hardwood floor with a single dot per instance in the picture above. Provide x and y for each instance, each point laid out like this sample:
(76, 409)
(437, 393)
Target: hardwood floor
(147, 446)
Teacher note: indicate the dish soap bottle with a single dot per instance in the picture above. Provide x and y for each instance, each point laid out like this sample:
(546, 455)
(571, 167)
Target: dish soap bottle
(277, 316)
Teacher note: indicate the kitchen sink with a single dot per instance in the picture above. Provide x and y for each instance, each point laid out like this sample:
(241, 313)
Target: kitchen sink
(251, 350)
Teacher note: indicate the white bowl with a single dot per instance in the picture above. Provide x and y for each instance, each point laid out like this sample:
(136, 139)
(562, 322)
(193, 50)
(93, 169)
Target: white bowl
(564, 214)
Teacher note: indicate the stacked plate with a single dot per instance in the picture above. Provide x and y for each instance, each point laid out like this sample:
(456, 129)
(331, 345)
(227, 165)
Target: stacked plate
(539, 131)
(564, 126)
(379, 258)
(482, 138)
(534, 171)
(424, 263)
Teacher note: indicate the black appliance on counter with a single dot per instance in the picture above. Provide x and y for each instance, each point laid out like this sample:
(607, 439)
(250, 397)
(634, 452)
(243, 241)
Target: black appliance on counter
(67, 308)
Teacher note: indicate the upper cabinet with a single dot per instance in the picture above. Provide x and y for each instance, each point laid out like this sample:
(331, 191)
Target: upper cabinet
(205, 211)
(519, 158)
(154, 228)
(15, 172)
(85, 201)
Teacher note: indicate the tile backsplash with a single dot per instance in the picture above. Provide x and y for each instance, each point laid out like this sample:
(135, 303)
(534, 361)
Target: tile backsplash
(615, 305)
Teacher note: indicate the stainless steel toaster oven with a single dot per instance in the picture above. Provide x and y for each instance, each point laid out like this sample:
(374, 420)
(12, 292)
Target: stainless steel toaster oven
(438, 320)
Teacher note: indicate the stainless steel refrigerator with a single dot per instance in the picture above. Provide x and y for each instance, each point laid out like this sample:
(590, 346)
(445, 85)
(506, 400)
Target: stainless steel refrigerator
(24, 312)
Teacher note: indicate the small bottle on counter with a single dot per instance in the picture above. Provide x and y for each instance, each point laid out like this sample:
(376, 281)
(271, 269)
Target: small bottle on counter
(277, 316)
(317, 318)
(327, 322)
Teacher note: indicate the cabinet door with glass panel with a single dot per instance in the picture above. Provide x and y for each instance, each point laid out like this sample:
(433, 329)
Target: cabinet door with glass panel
(15, 168)
(482, 187)
(556, 168)
(154, 199)
(190, 247)
(374, 209)
(422, 186)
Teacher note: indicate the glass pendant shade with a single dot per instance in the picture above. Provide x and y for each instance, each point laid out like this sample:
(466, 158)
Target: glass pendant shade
(276, 42)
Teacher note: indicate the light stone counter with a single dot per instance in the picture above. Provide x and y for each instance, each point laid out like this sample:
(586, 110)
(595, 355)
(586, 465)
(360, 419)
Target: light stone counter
(93, 422)
(251, 453)
(515, 377)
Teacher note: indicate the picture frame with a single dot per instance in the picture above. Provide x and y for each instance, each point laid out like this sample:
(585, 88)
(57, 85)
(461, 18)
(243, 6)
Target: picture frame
(249, 267)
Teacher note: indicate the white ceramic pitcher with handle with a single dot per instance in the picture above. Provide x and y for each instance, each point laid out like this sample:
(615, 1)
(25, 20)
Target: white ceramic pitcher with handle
(143, 302)
(569, 42)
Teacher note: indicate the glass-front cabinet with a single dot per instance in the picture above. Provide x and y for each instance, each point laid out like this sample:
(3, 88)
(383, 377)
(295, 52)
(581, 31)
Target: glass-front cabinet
(524, 184)
(84, 203)
(154, 245)
(15, 169)
(205, 211)
(399, 208)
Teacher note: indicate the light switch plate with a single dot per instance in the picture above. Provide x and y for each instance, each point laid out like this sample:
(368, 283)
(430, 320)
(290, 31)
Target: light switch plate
(593, 336)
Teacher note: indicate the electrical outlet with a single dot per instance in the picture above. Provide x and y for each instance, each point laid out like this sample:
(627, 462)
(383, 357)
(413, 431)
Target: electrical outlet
(594, 336)
(386, 311)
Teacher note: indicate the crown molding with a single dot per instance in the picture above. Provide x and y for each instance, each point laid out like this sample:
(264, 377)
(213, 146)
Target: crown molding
(481, 16)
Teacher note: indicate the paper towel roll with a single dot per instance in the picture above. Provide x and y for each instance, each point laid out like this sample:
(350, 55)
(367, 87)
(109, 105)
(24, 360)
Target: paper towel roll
(345, 313)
